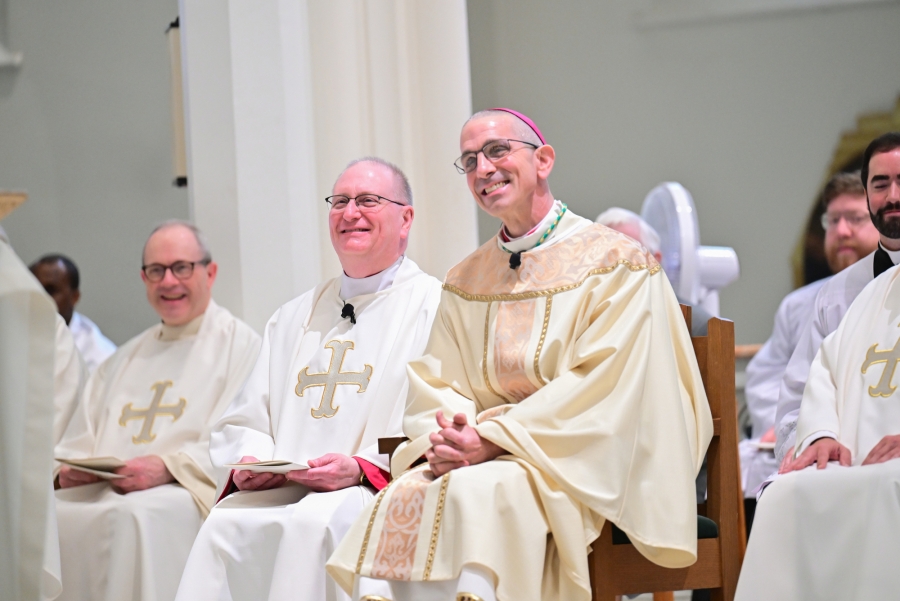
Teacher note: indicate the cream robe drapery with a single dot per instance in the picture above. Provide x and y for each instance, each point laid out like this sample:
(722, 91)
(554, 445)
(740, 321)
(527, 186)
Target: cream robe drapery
(28, 566)
(273, 544)
(134, 546)
(580, 365)
(69, 376)
(831, 534)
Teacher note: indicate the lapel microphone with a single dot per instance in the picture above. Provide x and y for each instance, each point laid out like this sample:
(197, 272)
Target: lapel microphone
(347, 311)
(515, 259)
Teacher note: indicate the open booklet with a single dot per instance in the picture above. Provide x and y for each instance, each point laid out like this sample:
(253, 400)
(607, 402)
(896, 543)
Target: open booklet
(102, 467)
(274, 466)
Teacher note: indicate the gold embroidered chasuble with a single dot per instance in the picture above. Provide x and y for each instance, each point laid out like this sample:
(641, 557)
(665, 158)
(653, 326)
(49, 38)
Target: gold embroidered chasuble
(832, 533)
(579, 364)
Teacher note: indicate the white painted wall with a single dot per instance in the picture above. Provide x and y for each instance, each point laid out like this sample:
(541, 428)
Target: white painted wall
(85, 129)
(745, 112)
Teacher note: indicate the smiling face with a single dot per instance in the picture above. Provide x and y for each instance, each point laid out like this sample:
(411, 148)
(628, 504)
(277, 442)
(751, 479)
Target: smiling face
(845, 243)
(883, 190)
(369, 242)
(514, 188)
(178, 301)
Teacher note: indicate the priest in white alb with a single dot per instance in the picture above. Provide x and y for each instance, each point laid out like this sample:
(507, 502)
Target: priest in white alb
(559, 390)
(828, 528)
(330, 381)
(151, 405)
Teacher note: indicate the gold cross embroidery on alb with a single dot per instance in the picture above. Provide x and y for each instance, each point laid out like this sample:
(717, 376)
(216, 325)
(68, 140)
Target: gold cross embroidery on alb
(333, 378)
(889, 357)
(150, 413)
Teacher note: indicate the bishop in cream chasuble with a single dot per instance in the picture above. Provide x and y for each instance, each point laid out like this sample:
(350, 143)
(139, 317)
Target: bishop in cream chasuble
(561, 344)
(831, 533)
(330, 381)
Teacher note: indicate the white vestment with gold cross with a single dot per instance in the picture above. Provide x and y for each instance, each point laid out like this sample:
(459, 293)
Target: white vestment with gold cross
(580, 365)
(321, 385)
(832, 533)
(159, 394)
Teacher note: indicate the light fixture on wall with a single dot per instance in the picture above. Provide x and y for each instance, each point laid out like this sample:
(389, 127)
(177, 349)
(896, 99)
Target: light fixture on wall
(179, 154)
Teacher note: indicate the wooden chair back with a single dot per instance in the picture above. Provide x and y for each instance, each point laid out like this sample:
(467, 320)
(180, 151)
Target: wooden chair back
(618, 569)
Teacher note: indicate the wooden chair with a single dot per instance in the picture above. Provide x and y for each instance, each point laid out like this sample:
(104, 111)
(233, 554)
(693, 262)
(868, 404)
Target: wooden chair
(617, 568)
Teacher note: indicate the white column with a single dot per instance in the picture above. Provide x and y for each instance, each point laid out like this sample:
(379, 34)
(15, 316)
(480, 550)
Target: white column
(251, 168)
(281, 94)
(391, 78)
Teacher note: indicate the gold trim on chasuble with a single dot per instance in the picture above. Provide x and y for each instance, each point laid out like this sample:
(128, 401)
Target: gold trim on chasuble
(889, 357)
(485, 276)
(396, 551)
(333, 378)
(149, 414)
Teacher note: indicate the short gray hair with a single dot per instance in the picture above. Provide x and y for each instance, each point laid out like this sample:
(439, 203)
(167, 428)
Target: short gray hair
(198, 236)
(616, 215)
(399, 177)
(522, 129)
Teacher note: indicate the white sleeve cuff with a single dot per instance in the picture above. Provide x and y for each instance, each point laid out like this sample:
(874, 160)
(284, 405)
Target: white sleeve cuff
(813, 438)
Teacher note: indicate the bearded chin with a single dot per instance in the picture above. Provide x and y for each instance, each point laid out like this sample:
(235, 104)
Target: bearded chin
(890, 227)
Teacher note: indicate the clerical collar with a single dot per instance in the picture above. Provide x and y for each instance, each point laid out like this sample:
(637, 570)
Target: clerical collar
(533, 237)
(169, 333)
(893, 254)
(353, 287)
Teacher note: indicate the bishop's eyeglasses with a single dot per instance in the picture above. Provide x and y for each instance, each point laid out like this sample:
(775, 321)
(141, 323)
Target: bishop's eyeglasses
(182, 270)
(366, 203)
(493, 151)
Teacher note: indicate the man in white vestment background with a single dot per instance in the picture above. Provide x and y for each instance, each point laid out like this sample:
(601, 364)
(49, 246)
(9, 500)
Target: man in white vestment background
(151, 405)
(29, 558)
(881, 160)
(60, 277)
(850, 235)
(330, 381)
(559, 389)
(825, 530)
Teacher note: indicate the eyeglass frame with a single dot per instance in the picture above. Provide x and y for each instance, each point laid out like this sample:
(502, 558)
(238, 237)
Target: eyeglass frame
(360, 208)
(171, 267)
(462, 170)
(843, 216)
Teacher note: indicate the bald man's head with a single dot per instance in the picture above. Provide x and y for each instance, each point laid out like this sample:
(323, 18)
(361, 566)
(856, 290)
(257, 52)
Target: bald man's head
(178, 272)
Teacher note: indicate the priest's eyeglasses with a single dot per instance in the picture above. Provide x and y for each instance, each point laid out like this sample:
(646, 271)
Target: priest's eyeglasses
(182, 270)
(493, 151)
(366, 203)
(854, 220)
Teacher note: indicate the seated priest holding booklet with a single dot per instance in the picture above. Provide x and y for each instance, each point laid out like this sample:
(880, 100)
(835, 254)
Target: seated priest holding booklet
(559, 390)
(330, 381)
(126, 526)
(828, 528)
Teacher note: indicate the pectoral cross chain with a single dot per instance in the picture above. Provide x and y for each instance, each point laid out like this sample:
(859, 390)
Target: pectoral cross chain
(889, 357)
(149, 414)
(333, 378)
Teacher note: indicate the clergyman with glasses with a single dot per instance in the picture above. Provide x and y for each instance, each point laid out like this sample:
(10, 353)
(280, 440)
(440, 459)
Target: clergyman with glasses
(125, 532)
(559, 389)
(330, 381)
(849, 236)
